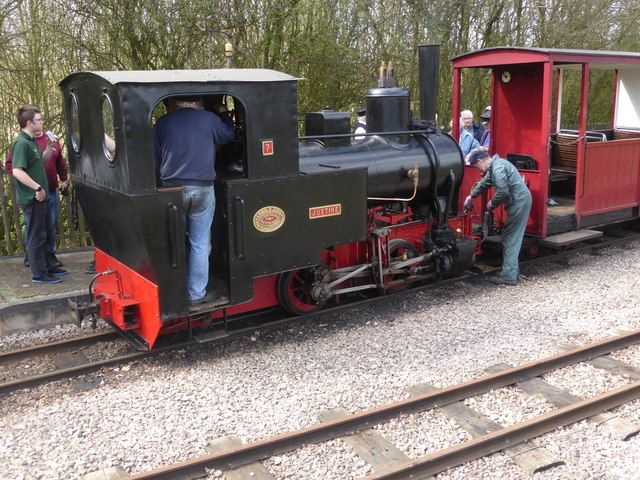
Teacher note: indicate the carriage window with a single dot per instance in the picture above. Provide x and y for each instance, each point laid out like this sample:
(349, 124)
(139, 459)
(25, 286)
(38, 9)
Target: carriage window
(109, 142)
(74, 113)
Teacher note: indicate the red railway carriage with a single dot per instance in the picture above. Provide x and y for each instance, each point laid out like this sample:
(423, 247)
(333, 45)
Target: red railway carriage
(591, 171)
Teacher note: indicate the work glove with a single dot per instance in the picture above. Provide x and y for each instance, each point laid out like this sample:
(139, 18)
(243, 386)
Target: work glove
(468, 203)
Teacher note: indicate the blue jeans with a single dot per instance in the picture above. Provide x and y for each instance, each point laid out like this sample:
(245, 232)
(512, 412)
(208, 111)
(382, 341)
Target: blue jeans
(53, 220)
(52, 205)
(200, 205)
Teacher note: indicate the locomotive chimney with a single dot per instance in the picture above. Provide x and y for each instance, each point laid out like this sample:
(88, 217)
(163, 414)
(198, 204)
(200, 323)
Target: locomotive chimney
(429, 58)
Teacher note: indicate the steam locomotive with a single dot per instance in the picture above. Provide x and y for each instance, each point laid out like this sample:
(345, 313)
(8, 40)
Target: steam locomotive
(299, 222)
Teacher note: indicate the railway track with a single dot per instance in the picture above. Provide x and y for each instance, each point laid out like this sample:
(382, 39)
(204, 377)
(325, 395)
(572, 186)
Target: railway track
(267, 320)
(573, 411)
(55, 347)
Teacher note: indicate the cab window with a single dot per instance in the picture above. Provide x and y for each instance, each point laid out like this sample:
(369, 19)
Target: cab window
(230, 158)
(109, 136)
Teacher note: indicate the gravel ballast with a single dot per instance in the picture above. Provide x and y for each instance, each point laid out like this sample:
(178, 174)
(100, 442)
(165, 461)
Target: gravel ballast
(169, 408)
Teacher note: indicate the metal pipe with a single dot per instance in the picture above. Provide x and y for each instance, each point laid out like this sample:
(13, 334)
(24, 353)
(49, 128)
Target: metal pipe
(96, 277)
(414, 174)
(452, 190)
(368, 134)
(381, 280)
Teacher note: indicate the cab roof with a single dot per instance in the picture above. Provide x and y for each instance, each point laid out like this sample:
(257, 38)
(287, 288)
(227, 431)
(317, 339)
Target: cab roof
(233, 75)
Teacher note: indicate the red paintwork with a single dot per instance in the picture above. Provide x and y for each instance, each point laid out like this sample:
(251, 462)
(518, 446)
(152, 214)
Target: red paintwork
(139, 291)
(517, 120)
(554, 120)
(611, 177)
(455, 127)
(264, 296)
(471, 177)
(489, 58)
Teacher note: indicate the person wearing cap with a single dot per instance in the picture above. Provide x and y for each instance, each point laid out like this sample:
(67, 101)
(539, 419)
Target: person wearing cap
(361, 124)
(485, 118)
(184, 149)
(467, 141)
(510, 191)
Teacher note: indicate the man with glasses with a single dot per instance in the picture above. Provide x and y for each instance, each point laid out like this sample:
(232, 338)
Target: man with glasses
(55, 167)
(29, 171)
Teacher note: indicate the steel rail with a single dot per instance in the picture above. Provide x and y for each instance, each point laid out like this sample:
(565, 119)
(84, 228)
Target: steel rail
(34, 380)
(12, 355)
(318, 433)
(500, 439)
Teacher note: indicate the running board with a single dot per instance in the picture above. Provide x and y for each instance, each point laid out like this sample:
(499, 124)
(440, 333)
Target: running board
(211, 336)
(565, 239)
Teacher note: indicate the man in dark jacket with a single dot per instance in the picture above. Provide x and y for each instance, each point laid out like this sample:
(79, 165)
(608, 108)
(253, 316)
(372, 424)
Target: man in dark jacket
(510, 191)
(184, 148)
(485, 139)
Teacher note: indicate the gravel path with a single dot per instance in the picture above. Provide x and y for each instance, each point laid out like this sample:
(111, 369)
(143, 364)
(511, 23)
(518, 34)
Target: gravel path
(166, 409)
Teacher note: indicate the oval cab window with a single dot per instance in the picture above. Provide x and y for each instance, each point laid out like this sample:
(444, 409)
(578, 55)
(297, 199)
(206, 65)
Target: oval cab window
(74, 111)
(109, 139)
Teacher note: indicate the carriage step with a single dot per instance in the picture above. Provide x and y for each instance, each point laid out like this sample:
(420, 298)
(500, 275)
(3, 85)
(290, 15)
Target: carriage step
(211, 336)
(569, 238)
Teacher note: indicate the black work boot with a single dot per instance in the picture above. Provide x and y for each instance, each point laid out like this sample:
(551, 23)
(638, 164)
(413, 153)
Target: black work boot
(53, 260)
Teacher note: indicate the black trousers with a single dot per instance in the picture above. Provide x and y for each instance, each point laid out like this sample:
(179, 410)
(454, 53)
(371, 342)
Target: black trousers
(37, 241)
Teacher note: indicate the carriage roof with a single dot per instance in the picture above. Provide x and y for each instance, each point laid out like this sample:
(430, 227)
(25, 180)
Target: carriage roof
(489, 57)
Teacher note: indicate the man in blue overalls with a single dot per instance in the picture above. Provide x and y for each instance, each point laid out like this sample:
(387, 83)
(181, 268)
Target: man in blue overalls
(511, 191)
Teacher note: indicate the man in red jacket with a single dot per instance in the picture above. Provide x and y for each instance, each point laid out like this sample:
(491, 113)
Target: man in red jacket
(55, 167)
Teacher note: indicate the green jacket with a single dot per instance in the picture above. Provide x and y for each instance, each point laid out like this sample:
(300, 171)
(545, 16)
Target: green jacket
(506, 181)
(27, 156)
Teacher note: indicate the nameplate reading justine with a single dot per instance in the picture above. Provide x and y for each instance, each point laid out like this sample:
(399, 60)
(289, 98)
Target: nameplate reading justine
(325, 211)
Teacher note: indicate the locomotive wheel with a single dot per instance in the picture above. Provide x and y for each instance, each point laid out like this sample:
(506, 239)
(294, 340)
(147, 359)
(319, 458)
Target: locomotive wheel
(295, 290)
(399, 250)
